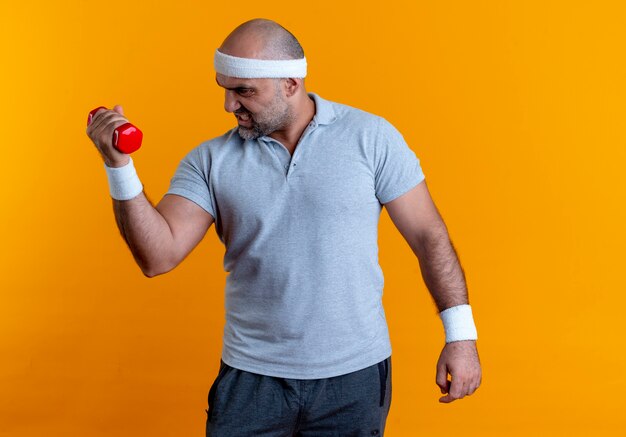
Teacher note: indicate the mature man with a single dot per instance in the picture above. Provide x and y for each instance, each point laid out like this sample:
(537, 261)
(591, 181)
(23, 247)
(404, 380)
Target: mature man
(296, 191)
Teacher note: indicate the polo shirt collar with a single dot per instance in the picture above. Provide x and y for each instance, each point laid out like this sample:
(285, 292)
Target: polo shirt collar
(324, 114)
(324, 111)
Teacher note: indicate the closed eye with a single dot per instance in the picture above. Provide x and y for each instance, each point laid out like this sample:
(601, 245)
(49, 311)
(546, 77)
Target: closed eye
(245, 91)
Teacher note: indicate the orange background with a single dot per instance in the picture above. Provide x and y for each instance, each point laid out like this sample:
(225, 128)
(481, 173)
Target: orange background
(515, 109)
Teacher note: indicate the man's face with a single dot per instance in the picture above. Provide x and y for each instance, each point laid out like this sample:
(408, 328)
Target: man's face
(258, 104)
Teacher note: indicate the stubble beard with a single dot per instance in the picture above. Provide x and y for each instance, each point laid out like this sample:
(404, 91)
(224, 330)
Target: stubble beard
(276, 117)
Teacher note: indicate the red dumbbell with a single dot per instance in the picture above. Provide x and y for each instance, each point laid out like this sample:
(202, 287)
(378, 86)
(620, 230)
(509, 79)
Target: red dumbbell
(126, 138)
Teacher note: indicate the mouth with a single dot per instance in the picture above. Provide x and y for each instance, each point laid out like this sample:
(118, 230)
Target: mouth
(244, 119)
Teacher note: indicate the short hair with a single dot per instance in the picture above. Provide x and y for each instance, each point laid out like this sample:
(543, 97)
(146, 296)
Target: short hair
(279, 42)
(288, 45)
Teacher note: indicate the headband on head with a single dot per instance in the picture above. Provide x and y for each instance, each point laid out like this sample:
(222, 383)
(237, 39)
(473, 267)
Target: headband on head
(249, 68)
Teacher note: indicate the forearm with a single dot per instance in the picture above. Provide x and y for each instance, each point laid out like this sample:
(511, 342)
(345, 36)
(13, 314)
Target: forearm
(441, 269)
(146, 233)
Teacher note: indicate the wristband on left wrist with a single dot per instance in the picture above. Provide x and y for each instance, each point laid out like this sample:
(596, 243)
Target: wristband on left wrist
(458, 323)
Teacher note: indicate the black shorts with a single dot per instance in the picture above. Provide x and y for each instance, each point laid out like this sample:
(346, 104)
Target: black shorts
(245, 404)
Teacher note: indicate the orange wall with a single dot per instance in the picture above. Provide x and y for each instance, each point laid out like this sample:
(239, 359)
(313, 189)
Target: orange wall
(515, 110)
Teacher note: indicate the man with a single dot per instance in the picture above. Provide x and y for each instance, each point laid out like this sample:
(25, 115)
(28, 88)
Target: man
(295, 192)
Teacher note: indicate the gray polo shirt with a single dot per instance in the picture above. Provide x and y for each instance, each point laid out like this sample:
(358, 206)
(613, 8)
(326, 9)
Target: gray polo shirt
(304, 287)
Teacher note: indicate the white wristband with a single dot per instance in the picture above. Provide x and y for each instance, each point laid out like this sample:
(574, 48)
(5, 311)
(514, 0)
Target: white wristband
(124, 184)
(458, 323)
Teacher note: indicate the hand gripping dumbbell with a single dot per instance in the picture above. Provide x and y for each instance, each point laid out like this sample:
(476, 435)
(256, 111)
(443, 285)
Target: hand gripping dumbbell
(126, 138)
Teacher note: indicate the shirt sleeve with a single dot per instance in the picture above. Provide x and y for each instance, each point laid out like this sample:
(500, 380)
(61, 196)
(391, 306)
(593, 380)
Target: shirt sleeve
(397, 168)
(191, 180)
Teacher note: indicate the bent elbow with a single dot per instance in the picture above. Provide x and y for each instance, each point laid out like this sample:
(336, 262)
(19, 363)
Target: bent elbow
(152, 270)
(149, 273)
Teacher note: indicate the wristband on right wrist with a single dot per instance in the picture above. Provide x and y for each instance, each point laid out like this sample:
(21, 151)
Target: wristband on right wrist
(124, 184)
(458, 323)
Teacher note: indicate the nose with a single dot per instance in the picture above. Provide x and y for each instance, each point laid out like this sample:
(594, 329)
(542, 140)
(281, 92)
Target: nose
(231, 104)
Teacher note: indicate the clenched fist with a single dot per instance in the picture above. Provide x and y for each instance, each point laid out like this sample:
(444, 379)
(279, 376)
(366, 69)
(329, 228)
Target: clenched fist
(460, 360)
(100, 131)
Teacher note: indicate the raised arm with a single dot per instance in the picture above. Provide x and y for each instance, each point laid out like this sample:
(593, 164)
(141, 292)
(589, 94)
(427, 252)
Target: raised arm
(159, 237)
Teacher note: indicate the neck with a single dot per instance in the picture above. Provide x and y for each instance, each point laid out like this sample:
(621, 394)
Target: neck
(304, 110)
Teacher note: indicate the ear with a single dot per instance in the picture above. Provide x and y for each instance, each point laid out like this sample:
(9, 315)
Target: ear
(291, 85)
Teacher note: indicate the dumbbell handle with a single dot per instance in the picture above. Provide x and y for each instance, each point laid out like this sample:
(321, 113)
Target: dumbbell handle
(126, 138)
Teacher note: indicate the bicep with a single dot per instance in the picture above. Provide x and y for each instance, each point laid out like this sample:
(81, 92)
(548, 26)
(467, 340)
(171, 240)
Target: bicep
(415, 215)
(188, 223)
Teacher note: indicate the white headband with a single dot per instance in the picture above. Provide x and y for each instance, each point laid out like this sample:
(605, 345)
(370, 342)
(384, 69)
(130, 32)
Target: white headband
(249, 68)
